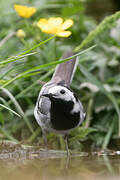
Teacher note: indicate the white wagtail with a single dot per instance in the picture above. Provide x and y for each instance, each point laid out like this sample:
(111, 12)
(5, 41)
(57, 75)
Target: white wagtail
(58, 109)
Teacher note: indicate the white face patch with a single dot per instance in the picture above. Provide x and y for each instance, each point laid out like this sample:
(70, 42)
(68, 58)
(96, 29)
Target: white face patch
(76, 107)
(62, 93)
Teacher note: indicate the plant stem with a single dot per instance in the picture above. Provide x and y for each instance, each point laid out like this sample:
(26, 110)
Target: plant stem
(55, 52)
(107, 23)
(89, 112)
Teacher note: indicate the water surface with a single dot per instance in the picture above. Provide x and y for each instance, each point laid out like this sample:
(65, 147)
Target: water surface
(33, 164)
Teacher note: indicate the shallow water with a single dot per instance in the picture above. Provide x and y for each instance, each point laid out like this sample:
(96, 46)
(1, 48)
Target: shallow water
(28, 163)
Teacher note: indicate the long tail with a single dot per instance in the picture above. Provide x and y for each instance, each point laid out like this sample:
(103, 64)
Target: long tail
(65, 71)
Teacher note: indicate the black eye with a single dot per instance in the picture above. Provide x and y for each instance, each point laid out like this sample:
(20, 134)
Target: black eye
(62, 91)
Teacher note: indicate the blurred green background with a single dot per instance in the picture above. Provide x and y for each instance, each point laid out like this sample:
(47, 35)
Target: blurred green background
(97, 79)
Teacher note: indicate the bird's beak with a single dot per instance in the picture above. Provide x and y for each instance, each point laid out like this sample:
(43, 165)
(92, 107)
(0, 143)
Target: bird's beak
(50, 95)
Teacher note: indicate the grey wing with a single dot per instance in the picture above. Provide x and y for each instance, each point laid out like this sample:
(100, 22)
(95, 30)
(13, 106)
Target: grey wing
(42, 108)
(44, 105)
(41, 112)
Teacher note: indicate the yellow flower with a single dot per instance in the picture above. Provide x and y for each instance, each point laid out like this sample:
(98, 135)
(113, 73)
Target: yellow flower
(55, 26)
(20, 33)
(24, 11)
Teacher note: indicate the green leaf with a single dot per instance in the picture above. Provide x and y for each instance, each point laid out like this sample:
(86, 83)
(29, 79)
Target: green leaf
(81, 133)
(91, 78)
(1, 118)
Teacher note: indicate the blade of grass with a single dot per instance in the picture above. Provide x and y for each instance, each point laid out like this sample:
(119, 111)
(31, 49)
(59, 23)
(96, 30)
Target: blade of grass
(35, 83)
(37, 45)
(17, 107)
(12, 59)
(34, 135)
(6, 134)
(6, 104)
(25, 54)
(30, 74)
(5, 73)
(32, 85)
(47, 65)
(108, 135)
(10, 110)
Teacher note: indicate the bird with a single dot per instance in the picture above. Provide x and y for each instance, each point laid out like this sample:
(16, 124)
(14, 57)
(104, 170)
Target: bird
(58, 109)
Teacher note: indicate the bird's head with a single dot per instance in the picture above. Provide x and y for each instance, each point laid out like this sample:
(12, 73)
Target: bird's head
(60, 92)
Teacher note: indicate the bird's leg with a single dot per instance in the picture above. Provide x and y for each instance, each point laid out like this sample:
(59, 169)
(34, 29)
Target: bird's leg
(68, 152)
(66, 144)
(44, 138)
